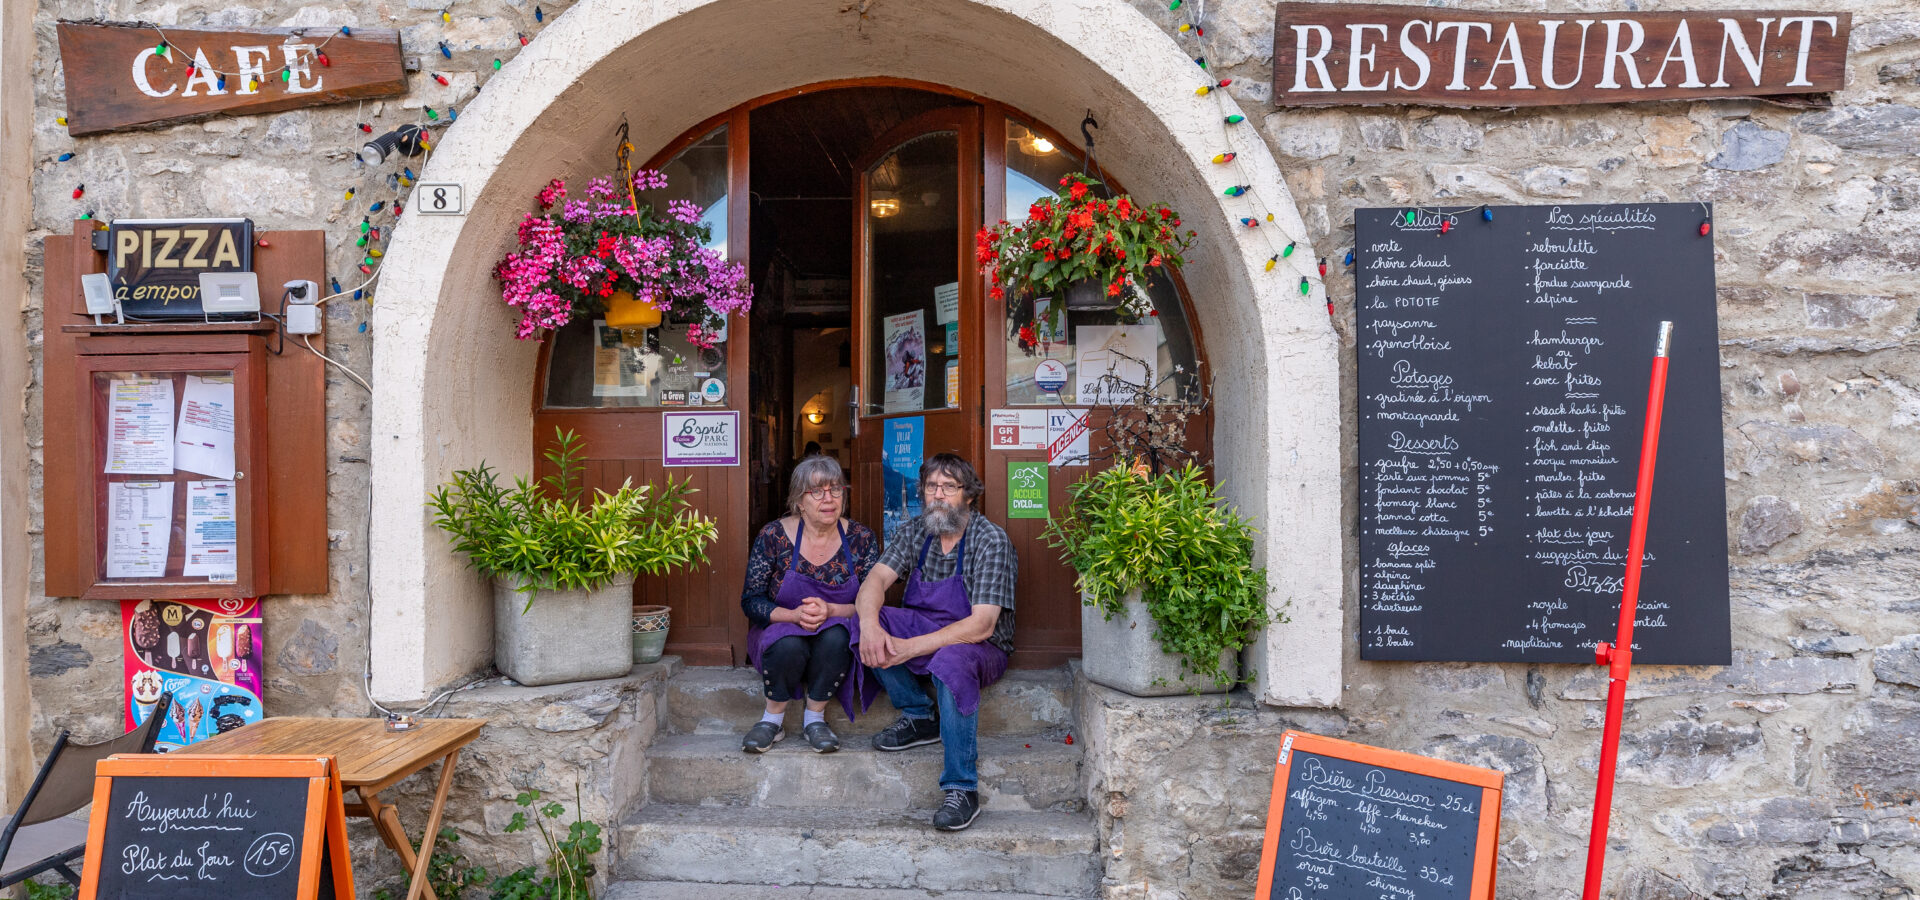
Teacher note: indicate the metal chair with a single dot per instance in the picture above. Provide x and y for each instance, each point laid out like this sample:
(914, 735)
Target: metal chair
(40, 837)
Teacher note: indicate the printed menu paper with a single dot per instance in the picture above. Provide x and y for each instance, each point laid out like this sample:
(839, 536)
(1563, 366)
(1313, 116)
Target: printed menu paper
(139, 528)
(204, 436)
(140, 426)
(213, 534)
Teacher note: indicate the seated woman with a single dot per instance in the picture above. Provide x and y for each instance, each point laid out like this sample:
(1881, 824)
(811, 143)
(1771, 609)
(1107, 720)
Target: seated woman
(803, 573)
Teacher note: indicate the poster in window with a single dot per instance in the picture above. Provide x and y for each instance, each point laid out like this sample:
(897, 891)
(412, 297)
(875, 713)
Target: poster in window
(904, 349)
(622, 367)
(901, 450)
(205, 654)
(1128, 353)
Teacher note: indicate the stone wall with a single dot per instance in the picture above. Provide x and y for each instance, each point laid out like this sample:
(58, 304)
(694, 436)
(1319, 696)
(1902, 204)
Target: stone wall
(1788, 774)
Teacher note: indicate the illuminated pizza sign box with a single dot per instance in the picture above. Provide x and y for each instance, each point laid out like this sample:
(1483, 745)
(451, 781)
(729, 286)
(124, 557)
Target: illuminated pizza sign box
(155, 264)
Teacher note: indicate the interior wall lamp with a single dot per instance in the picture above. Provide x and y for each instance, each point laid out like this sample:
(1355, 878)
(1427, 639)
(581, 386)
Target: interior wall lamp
(815, 416)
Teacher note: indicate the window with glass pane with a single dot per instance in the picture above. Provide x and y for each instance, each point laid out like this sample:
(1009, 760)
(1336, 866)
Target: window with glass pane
(1093, 340)
(913, 297)
(593, 365)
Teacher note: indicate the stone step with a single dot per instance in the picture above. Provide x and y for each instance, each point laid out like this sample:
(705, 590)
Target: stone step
(684, 890)
(722, 700)
(1016, 773)
(1052, 854)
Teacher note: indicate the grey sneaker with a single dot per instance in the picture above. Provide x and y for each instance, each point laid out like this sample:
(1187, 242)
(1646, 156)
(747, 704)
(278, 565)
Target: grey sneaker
(761, 736)
(820, 737)
(958, 810)
(907, 732)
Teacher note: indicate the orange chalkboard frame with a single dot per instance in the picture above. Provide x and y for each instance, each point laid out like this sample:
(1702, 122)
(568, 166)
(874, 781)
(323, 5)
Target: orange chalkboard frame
(324, 832)
(1490, 782)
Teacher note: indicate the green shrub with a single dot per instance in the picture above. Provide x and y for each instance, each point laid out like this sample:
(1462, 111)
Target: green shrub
(569, 856)
(551, 536)
(1190, 556)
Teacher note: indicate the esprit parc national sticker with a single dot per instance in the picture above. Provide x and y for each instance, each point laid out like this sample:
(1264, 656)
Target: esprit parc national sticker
(204, 653)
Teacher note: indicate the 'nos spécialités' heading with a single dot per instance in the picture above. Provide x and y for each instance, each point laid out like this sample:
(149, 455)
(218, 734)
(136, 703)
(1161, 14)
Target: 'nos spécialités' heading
(1331, 55)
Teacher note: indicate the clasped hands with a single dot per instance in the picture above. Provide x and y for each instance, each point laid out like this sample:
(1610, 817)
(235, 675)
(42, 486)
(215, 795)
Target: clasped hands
(881, 650)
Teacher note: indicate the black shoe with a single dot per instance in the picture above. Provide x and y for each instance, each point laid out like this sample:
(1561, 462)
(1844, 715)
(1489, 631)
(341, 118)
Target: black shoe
(957, 811)
(907, 732)
(761, 736)
(820, 737)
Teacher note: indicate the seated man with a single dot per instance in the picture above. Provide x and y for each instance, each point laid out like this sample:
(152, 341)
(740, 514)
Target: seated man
(956, 626)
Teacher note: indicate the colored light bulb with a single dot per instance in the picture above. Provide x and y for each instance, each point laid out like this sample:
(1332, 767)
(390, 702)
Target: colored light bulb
(431, 115)
(286, 75)
(1224, 158)
(1289, 250)
(523, 38)
(60, 121)
(1272, 261)
(1200, 61)
(377, 206)
(441, 78)
(1174, 5)
(446, 17)
(1409, 217)
(1323, 267)
(261, 242)
(1706, 227)
(1236, 119)
(1349, 260)
(349, 193)
(1250, 222)
(365, 226)
(220, 84)
(335, 282)
(1486, 213)
(366, 128)
(366, 268)
(361, 241)
(322, 57)
(539, 15)
(81, 189)
(64, 157)
(1237, 190)
(375, 252)
(445, 51)
(496, 65)
(1305, 287)
(346, 31)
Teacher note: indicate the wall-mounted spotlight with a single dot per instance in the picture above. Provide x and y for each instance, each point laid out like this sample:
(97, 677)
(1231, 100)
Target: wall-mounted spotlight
(406, 139)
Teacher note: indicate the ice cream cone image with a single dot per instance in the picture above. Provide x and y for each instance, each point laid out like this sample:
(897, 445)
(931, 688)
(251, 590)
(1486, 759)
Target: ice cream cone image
(146, 687)
(194, 712)
(178, 716)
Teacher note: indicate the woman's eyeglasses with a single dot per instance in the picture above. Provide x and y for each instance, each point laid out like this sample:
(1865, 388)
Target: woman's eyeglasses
(820, 494)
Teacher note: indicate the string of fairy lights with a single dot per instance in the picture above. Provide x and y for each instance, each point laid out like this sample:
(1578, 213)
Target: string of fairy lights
(1259, 218)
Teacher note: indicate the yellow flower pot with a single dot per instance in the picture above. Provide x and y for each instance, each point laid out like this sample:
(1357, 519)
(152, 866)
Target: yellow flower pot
(626, 311)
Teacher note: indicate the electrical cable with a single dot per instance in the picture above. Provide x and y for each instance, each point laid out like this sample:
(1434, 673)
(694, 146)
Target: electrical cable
(337, 364)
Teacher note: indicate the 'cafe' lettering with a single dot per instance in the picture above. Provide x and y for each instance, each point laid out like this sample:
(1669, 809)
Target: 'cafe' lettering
(249, 62)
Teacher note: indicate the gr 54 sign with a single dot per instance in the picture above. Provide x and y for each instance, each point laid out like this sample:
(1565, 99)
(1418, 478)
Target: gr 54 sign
(1340, 54)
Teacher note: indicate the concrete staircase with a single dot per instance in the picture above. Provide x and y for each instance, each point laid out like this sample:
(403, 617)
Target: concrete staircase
(855, 825)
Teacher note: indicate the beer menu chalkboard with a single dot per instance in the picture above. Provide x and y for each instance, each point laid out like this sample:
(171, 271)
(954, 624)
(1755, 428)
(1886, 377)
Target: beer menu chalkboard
(1352, 821)
(189, 827)
(1503, 357)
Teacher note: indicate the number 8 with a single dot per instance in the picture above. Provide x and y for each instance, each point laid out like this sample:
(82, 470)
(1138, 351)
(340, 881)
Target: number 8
(439, 198)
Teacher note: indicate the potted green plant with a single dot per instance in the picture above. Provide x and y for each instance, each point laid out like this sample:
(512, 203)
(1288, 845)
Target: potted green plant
(1083, 248)
(1160, 559)
(563, 563)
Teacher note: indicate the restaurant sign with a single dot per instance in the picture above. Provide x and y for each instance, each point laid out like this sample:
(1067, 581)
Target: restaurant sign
(154, 265)
(121, 76)
(1352, 54)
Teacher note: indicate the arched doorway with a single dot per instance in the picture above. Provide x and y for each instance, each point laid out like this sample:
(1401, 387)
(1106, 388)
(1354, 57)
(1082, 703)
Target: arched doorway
(860, 202)
(444, 353)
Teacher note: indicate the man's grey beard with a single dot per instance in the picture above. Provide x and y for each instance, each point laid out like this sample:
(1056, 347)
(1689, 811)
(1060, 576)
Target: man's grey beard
(944, 519)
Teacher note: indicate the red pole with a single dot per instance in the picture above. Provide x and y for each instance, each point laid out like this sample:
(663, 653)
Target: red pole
(1618, 657)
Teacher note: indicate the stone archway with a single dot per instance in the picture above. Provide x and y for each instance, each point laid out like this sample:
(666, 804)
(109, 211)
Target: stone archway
(450, 392)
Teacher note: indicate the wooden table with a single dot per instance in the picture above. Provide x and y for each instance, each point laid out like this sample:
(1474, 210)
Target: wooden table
(370, 759)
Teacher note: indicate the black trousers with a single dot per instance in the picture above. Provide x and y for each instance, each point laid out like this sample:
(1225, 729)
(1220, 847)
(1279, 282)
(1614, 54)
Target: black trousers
(820, 662)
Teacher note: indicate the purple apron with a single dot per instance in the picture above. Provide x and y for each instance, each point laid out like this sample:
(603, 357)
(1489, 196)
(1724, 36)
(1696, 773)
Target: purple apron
(930, 606)
(855, 693)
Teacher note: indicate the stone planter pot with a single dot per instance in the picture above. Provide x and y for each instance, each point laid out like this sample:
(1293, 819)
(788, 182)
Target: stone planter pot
(650, 633)
(1123, 654)
(565, 635)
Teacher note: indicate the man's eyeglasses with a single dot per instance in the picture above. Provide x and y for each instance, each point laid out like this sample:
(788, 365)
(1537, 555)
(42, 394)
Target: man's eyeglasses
(943, 488)
(820, 494)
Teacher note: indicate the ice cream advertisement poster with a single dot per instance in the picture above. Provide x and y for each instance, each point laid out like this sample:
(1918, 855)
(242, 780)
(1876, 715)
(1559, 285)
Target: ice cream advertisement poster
(204, 653)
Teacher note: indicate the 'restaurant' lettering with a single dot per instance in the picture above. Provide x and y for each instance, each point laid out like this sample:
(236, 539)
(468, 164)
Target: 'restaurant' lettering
(1388, 54)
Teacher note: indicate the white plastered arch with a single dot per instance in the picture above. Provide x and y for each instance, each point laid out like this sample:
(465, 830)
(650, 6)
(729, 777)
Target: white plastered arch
(452, 384)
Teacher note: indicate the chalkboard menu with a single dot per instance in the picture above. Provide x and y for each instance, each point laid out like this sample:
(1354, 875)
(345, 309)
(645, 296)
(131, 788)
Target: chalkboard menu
(185, 828)
(1504, 356)
(1352, 821)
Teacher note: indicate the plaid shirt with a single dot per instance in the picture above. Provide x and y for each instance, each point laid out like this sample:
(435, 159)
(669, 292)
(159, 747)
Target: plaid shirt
(991, 567)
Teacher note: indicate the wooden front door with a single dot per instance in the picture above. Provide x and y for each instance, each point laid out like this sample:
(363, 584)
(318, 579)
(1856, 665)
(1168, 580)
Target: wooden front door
(918, 321)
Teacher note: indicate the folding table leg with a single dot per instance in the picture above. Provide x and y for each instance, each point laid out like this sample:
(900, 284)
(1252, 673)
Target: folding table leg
(419, 887)
(386, 822)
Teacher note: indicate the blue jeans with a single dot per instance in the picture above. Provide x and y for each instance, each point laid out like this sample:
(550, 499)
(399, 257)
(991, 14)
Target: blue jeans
(959, 735)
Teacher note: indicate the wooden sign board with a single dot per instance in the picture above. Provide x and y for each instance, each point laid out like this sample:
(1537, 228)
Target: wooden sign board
(1353, 54)
(1348, 820)
(190, 827)
(155, 264)
(118, 78)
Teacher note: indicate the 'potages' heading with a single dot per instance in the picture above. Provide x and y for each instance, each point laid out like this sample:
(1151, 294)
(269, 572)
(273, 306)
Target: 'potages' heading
(1336, 55)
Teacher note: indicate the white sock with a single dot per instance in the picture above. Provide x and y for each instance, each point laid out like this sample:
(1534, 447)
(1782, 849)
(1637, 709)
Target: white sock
(812, 717)
(777, 718)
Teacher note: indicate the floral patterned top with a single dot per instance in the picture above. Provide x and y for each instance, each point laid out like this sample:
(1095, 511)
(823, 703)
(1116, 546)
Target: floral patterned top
(771, 557)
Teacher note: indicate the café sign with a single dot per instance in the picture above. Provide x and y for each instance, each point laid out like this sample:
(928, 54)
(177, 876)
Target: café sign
(121, 76)
(1351, 54)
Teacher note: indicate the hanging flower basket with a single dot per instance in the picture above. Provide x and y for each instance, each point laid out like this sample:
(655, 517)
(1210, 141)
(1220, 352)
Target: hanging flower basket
(1088, 251)
(607, 252)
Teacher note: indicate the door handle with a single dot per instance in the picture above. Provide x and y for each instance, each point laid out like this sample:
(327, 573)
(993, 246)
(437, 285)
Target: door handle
(854, 403)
